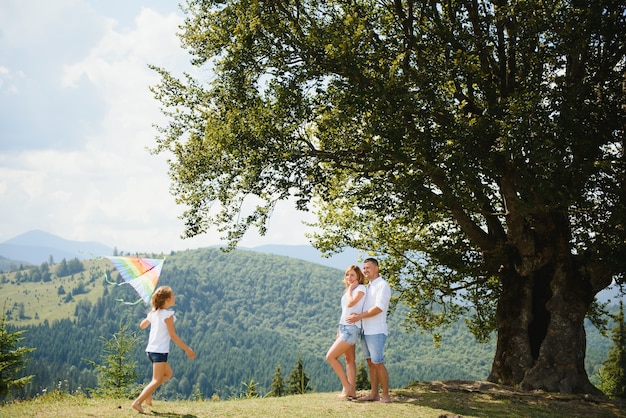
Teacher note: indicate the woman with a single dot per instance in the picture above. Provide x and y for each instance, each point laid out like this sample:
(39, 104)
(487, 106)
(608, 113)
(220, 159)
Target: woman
(348, 334)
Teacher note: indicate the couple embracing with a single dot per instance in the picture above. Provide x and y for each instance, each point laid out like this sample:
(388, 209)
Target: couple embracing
(364, 315)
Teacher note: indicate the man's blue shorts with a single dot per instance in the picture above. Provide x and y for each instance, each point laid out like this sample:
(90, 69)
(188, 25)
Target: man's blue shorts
(373, 347)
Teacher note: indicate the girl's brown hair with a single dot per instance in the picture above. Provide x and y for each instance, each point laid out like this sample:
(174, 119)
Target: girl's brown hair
(160, 295)
(360, 277)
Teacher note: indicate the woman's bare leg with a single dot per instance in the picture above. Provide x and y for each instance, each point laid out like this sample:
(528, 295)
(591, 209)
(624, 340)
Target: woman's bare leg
(351, 370)
(338, 349)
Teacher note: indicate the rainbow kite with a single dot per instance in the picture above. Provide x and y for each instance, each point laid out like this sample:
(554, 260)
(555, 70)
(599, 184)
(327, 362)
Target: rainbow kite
(141, 273)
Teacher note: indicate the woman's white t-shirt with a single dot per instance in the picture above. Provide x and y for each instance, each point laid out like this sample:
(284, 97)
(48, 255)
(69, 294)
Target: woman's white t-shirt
(159, 340)
(356, 308)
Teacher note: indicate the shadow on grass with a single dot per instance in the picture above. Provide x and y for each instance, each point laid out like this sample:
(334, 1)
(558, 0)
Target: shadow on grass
(512, 405)
(170, 414)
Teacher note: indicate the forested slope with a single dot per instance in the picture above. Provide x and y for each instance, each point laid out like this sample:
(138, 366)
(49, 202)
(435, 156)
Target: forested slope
(243, 313)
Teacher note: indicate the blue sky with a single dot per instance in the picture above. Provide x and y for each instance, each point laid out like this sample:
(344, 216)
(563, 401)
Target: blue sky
(76, 117)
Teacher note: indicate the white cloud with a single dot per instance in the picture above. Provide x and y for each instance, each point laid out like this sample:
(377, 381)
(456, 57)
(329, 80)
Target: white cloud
(8, 81)
(36, 38)
(74, 162)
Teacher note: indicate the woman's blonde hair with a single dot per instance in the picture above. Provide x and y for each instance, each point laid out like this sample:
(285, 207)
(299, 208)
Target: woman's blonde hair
(360, 277)
(160, 295)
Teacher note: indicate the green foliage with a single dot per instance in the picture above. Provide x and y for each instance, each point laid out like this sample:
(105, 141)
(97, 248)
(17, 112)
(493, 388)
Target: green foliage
(298, 380)
(362, 377)
(277, 388)
(420, 131)
(12, 360)
(66, 268)
(251, 389)
(613, 372)
(196, 395)
(117, 374)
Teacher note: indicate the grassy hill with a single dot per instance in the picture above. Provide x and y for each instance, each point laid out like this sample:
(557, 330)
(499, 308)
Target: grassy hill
(32, 303)
(440, 399)
(243, 312)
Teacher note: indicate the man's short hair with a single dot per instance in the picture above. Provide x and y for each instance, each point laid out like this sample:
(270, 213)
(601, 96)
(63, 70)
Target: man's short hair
(371, 260)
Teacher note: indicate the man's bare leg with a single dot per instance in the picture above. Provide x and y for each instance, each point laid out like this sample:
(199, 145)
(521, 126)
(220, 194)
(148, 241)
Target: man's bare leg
(383, 379)
(373, 396)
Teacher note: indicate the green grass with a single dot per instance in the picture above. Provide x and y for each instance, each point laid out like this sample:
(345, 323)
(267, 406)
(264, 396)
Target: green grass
(41, 300)
(419, 400)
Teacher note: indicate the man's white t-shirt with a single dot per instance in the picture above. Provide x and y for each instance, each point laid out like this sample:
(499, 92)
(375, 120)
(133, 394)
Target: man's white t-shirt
(378, 294)
(159, 340)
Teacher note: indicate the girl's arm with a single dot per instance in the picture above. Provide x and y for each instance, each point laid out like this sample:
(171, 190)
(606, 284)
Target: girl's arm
(172, 330)
(144, 324)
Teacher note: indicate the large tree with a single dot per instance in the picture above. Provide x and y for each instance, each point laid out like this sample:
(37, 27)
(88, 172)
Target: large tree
(476, 146)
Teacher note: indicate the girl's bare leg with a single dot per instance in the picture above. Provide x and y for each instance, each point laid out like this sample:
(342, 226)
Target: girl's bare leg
(161, 373)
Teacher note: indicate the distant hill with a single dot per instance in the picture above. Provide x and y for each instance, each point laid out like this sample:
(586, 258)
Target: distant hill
(308, 253)
(7, 264)
(37, 246)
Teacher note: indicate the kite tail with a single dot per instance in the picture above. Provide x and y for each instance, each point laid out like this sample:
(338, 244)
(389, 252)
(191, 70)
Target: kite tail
(109, 281)
(106, 277)
(129, 303)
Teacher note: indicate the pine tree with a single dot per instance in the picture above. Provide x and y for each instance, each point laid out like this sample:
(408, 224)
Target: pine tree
(613, 372)
(362, 377)
(298, 380)
(117, 375)
(278, 384)
(12, 359)
(251, 391)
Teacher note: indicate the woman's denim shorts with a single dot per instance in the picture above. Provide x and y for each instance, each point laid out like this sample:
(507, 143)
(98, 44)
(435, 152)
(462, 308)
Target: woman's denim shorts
(349, 333)
(157, 357)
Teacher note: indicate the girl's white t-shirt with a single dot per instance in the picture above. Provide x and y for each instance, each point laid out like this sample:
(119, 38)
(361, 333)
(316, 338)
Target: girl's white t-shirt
(159, 340)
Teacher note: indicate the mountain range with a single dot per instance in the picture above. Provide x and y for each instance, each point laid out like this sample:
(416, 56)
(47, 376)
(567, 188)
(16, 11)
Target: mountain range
(36, 247)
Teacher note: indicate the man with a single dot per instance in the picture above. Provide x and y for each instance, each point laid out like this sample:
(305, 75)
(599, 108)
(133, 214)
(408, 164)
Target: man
(374, 325)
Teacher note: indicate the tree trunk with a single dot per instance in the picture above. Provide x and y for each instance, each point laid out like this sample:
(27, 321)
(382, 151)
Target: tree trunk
(540, 320)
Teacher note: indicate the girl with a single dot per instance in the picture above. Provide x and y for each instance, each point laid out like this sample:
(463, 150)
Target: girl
(348, 334)
(161, 321)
